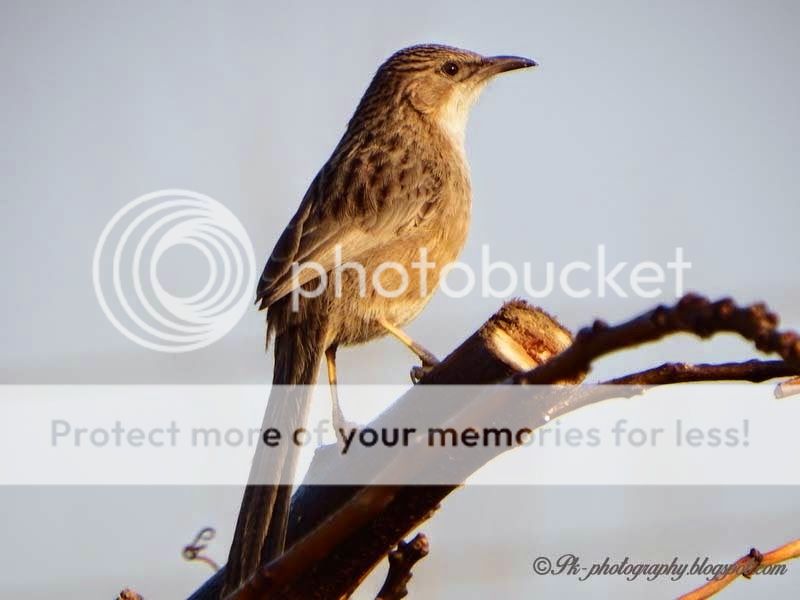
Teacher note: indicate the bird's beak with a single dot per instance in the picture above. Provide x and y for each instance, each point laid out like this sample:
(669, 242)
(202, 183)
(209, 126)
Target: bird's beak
(494, 65)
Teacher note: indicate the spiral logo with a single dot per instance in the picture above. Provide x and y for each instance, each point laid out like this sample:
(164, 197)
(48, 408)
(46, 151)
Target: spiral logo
(126, 264)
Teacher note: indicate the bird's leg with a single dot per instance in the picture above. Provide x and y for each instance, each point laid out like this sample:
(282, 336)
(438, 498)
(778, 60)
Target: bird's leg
(428, 359)
(340, 425)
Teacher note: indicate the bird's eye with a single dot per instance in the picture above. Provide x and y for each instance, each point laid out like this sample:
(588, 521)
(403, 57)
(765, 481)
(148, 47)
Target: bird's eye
(450, 68)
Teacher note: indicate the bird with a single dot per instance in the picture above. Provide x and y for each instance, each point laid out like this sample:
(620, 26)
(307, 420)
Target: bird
(396, 187)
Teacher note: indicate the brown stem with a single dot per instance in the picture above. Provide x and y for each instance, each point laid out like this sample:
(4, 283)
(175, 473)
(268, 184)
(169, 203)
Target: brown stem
(193, 551)
(401, 561)
(747, 566)
(668, 373)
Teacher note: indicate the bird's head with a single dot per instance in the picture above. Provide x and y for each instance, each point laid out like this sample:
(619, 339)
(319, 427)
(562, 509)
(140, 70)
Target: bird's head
(440, 82)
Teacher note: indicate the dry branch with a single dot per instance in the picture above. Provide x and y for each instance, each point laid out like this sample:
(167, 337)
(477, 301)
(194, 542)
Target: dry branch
(754, 371)
(516, 338)
(519, 345)
(692, 314)
(788, 388)
(746, 566)
(193, 551)
(401, 561)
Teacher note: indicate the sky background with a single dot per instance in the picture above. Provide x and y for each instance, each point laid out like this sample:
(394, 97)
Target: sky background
(648, 126)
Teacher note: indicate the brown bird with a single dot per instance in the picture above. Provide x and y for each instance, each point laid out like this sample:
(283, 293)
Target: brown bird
(395, 190)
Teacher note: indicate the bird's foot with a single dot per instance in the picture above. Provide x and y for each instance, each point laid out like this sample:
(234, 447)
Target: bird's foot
(429, 361)
(426, 356)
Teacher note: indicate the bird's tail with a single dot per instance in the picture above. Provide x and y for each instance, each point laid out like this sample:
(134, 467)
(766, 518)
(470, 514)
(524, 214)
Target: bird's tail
(261, 528)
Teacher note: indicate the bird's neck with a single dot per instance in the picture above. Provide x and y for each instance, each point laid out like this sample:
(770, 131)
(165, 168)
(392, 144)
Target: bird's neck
(452, 116)
(452, 121)
(434, 136)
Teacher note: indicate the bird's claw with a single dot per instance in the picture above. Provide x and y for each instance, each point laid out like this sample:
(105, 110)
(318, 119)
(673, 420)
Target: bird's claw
(419, 372)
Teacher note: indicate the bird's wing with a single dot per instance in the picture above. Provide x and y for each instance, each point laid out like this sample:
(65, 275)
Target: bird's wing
(355, 213)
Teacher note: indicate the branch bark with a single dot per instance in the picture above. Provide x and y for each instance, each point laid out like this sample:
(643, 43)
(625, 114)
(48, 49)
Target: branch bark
(401, 561)
(516, 338)
(747, 566)
(692, 314)
(338, 533)
(754, 371)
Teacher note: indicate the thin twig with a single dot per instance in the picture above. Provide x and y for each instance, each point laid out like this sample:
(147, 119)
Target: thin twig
(746, 566)
(755, 371)
(191, 552)
(638, 383)
(401, 561)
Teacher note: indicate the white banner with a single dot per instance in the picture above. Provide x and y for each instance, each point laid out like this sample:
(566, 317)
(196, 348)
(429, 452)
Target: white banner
(726, 434)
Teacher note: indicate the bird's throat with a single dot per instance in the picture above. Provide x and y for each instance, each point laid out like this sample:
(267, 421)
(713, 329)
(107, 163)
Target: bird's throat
(452, 117)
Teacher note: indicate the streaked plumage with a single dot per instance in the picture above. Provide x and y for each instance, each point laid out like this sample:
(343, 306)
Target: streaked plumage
(398, 181)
